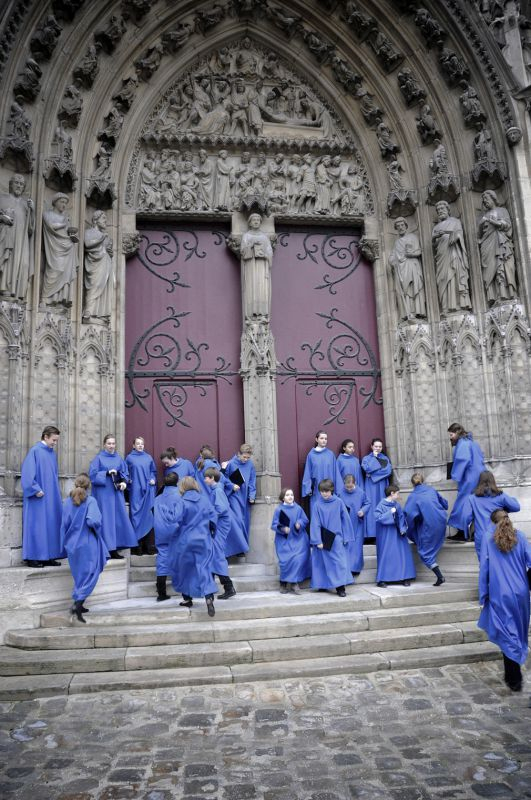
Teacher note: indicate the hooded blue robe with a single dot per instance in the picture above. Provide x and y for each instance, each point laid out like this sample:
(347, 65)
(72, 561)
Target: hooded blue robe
(376, 479)
(142, 469)
(222, 508)
(81, 537)
(165, 514)
(182, 468)
(293, 549)
(236, 541)
(350, 465)
(394, 561)
(329, 567)
(425, 511)
(191, 549)
(239, 500)
(320, 465)
(504, 595)
(41, 516)
(478, 510)
(467, 466)
(117, 529)
(355, 501)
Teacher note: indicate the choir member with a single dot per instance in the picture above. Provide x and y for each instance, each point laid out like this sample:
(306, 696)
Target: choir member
(330, 533)
(220, 566)
(478, 507)
(291, 542)
(468, 463)
(241, 473)
(357, 504)
(110, 476)
(191, 550)
(349, 464)
(377, 468)
(394, 562)
(41, 503)
(320, 465)
(81, 536)
(165, 513)
(504, 594)
(173, 463)
(425, 511)
(236, 544)
(143, 474)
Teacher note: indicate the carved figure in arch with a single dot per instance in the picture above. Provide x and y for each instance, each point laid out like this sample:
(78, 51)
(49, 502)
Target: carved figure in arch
(394, 168)
(71, 106)
(205, 176)
(451, 261)
(386, 144)
(86, 71)
(289, 24)
(277, 172)
(307, 192)
(173, 40)
(433, 32)
(439, 160)
(98, 272)
(204, 20)
(386, 53)
(18, 124)
(124, 98)
(426, 125)
(484, 151)
(28, 82)
(317, 115)
(43, 41)
(271, 67)
(323, 186)
(345, 75)
(189, 184)
(495, 239)
(66, 9)
(453, 67)
(362, 24)
(371, 112)
(149, 63)
(256, 255)
(62, 144)
(17, 224)
(136, 8)
(61, 257)
(109, 37)
(239, 109)
(113, 126)
(170, 185)
(149, 193)
(292, 179)
(335, 171)
(352, 198)
(261, 175)
(253, 8)
(103, 160)
(222, 193)
(410, 87)
(471, 108)
(245, 61)
(321, 49)
(406, 266)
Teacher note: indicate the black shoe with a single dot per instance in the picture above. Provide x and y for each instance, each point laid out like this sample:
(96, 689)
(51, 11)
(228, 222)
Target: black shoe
(162, 597)
(186, 603)
(151, 551)
(459, 536)
(85, 610)
(341, 591)
(382, 584)
(52, 563)
(137, 551)
(210, 606)
(30, 562)
(406, 583)
(76, 609)
(440, 581)
(226, 594)
(514, 686)
(355, 574)
(115, 554)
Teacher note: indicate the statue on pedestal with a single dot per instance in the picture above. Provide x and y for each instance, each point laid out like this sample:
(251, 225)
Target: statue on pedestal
(61, 258)
(17, 223)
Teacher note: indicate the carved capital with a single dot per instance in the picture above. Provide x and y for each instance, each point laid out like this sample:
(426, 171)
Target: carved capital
(130, 243)
(370, 249)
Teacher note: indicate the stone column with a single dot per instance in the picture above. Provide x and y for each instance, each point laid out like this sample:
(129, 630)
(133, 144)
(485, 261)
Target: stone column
(253, 240)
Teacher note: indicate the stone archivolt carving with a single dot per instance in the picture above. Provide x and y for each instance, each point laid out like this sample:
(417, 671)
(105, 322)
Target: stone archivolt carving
(442, 185)
(124, 98)
(488, 172)
(17, 224)
(426, 125)
(59, 169)
(61, 258)
(205, 20)
(44, 40)
(16, 143)
(406, 266)
(290, 24)
(401, 202)
(136, 9)
(471, 108)
(86, 71)
(108, 38)
(173, 40)
(453, 68)
(28, 82)
(66, 9)
(451, 261)
(410, 87)
(71, 107)
(389, 57)
(149, 63)
(433, 33)
(495, 239)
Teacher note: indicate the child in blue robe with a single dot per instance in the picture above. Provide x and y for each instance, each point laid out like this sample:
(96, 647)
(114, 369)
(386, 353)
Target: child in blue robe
(478, 507)
(468, 464)
(320, 465)
(191, 550)
(504, 594)
(235, 544)
(357, 504)
(110, 476)
(349, 464)
(173, 463)
(220, 565)
(81, 538)
(377, 468)
(143, 475)
(291, 542)
(394, 562)
(425, 511)
(165, 514)
(241, 497)
(41, 503)
(330, 533)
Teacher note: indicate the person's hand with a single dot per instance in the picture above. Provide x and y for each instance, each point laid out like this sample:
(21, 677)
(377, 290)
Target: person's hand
(235, 487)
(152, 482)
(40, 494)
(111, 472)
(393, 510)
(319, 546)
(122, 486)
(286, 530)
(297, 526)
(360, 513)
(251, 502)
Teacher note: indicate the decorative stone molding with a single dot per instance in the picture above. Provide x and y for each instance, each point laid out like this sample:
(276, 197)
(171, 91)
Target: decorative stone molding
(369, 249)
(28, 82)
(402, 202)
(130, 243)
(59, 171)
(16, 144)
(44, 40)
(100, 192)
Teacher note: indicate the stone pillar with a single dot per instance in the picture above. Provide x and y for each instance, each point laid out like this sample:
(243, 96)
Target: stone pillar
(253, 241)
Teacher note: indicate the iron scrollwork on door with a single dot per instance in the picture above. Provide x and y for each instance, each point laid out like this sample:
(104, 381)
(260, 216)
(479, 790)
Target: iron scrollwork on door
(337, 368)
(157, 255)
(340, 252)
(175, 367)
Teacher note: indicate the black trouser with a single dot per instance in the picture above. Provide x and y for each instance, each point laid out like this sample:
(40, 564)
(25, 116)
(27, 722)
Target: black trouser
(147, 542)
(513, 673)
(225, 582)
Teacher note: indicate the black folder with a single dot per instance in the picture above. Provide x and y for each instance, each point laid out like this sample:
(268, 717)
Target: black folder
(283, 521)
(117, 478)
(237, 478)
(449, 470)
(327, 538)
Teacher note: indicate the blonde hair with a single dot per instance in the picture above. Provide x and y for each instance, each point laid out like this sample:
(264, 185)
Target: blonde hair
(245, 449)
(417, 478)
(81, 489)
(188, 484)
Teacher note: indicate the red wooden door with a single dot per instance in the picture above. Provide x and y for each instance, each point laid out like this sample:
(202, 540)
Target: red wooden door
(183, 328)
(323, 319)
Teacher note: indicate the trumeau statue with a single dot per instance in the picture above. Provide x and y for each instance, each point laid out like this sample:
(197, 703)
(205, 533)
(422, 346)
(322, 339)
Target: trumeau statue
(61, 257)
(17, 223)
(495, 239)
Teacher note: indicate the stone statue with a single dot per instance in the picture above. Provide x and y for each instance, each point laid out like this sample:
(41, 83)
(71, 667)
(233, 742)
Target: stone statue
(484, 146)
(205, 176)
(71, 107)
(426, 125)
(61, 257)
(222, 193)
(28, 82)
(410, 87)
(173, 40)
(44, 39)
(287, 23)
(394, 168)
(103, 160)
(17, 223)
(433, 32)
(451, 261)
(453, 67)
(98, 272)
(406, 266)
(256, 255)
(113, 126)
(316, 43)
(323, 185)
(495, 239)
(149, 63)
(471, 108)
(386, 53)
(124, 98)
(439, 160)
(149, 193)
(352, 198)
(87, 69)
(18, 124)
(345, 75)
(308, 189)
(204, 20)
(387, 146)
(108, 37)
(371, 112)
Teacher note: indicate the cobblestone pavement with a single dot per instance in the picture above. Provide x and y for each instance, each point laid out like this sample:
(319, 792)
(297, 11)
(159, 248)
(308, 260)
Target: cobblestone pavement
(454, 732)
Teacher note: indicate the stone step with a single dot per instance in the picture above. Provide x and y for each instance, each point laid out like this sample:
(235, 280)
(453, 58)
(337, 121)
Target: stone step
(251, 583)
(146, 635)
(26, 687)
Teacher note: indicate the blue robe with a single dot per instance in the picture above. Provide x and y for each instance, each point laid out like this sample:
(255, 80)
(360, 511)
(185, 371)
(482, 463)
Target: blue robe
(350, 465)
(477, 510)
(355, 501)
(84, 545)
(293, 549)
(329, 567)
(425, 511)
(320, 464)
(117, 529)
(142, 469)
(236, 541)
(376, 479)
(504, 595)
(191, 549)
(164, 517)
(239, 500)
(41, 516)
(393, 551)
(467, 465)
(222, 508)
(182, 468)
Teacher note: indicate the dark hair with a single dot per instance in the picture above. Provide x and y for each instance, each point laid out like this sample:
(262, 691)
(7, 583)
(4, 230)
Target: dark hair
(455, 427)
(138, 437)
(505, 537)
(81, 488)
(486, 485)
(376, 439)
(170, 452)
(50, 430)
(108, 436)
(417, 478)
(391, 489)
(349, 479)
(283, 493)
(171, 479)
(319, 433)
(212, 472)
(188, 484)
(205, 452)
(326, 485)
(344, 444)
